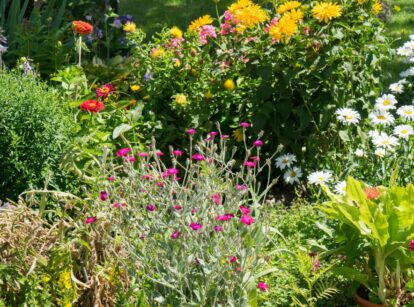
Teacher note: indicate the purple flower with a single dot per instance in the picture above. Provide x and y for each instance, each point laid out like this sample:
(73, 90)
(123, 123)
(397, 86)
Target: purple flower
(117, 23)
(262, 286)
(232, 259)
(123, 152)
(173, 171)
(247, 219)
(159, 153)
(103, 195)
(244, 125)
(244, 210)
(412, 245)
(249, 164)
(176, 234)
(143, 154)
(198, 157)
(216, 198)
(240, 187)
(218, 228)
(147, 76)
(315, 265)
(191, 131)
(196, 226)
(225, 217)
(90, 220)
(177, 153)
(258, 143)
(151, 207)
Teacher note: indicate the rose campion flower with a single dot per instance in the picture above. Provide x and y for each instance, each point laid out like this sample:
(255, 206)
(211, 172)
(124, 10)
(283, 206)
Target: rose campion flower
(244, 125)
(315, 265)
(258, 143)
(195, 226)
(225, 136)
(159, 184)
(151, 207)
(247, 219)
(177, 207)
(213, 133)
(218, 228)
(191, 131)
(255, 158)
(216, 198)
(198, 157)
(159, 153)
(176, 234)
(262, 286)
(90, 220)
(103, 195)
(123, 152)
(232, 259)
(111, 178)
(143, 154)
(372, 193)
(249, 164)
(177, 153)
(131, 159)
(225, 217)
(244, 210)
(173, 171)
(147, 177)
(412, 245)
(240, 187)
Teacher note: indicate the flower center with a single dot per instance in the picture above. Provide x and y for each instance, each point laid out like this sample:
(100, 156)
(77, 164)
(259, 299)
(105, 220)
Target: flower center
(349, 117)
(381, 117)
(292, 174)
(105, 90)
(404, 131)
(285, 161)
(386, 102)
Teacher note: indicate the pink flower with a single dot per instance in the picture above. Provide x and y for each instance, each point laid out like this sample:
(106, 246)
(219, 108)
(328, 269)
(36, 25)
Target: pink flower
(104, 90)
(159, 184)
(315, 265)
(198, 157)
(255, 158)
(177, 207)
(103, 195)
(225, 217)
(177, 153)
(142, 236)
(232, 259)
(176, 234)
(306, 30)
(216, 198)
(218, 228)
(262, 286)
(143, 154)
(130, 159)
(90, 220)
(191, 131)
(244, 125)
(111, 178)
(247, 219)
(151, 207)
(123, 152)
(258, 143)
(244, 210)
(207, 31)
(240, 187)
(213, 133)
(173, 171)
(225, 136)
(196, 226)
(412, 245)
(249, 164)
(147, 177)
(159, 153)
(118, 205)
(193, 211)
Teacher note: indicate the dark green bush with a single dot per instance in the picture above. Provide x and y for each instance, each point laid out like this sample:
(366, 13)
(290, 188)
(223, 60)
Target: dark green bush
(34, 129)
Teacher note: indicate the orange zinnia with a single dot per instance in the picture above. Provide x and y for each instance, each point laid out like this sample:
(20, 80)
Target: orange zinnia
(81, 27)
(372, 193)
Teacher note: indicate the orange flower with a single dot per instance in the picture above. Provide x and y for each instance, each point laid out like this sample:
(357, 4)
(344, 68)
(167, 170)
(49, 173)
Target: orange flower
(372, 193)
(93, 106)
(81, 27)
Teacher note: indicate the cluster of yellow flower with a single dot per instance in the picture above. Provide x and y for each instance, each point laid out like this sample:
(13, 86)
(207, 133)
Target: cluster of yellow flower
(247, 14)
(287, 26)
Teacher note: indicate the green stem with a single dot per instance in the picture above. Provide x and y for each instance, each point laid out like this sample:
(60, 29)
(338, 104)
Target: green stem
(380, 268)
(79, 64)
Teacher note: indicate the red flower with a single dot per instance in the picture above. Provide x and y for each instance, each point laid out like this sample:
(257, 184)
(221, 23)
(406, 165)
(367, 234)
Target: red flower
(372, 193)
(90, 220)
(262, 286)
(81, 27)
(104, 90)
(93, 106)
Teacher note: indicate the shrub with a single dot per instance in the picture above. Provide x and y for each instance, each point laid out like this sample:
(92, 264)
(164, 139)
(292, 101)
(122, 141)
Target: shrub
(34, 130)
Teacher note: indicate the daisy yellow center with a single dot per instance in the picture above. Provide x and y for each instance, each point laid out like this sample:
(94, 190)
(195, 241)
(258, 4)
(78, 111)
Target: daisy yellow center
(349, 117)
(381, 117)
(105, 90)
(408, 112)
(320, 179)
(386, 102)
(404, 131)
(292, 174)
(285, 161)
(385, 142)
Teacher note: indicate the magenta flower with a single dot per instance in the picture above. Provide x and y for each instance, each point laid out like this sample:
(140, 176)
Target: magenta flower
(249, 164)
(207, 31)
(412, 245)
(244, 210)
(123, 152)
(247, 219)
(193, 211)
(216, 198)
(159, 184)
(262, 286)
(104, 90)
(258, 143)
(111, 178)
(103, 195)
(225, 136)
(159, 153)
(218, 228)
(196, 226)
(177, 207)
(255, 158)
(147, 177)
(244, 125)
(151, 207)
(225, 217)
(240, 187)
(198, 157)
(173, 171)
(191, 131)
(213, 133)
(177, 153)
(315, 265)
(176, 234)
(143, 154)
(130, 159)
(142, 236)
(232, 259)
(90, 220)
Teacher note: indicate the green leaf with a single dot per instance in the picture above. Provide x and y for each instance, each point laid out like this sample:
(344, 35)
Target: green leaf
(120, 130)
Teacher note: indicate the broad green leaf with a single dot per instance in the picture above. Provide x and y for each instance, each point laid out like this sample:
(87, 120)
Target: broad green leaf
(120, 130)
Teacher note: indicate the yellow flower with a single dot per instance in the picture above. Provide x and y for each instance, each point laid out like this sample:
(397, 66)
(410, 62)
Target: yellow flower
(287, 6)
(360, 2)
(177, 63)
(202, 21)
(135, 88)
(208, 95)
(176, 32)
(397, 8)
(133, 102)
(181, 99)
(238, 135)
(130, 27)
(146, 98)
(229, 85)
(376, 7)
(46, 278)
(157, 52)
(295, 15)
(325, 11)
(65, 281)
(284, 29)
(247, 14)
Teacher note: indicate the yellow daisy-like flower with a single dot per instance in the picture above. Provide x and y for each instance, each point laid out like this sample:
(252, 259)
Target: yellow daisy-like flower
(65, 280)
(397, 8)
(376, 7)
(325, 11)
(176, 32)
(229, 85)
(177, 63)
(239, 5)
(130, 27)
(202, 21)
(284, 29)
(287, 6)
(157, 52)
(135, 88)
(247, 14)
(295, 15)
(180, 99)
(238, 135)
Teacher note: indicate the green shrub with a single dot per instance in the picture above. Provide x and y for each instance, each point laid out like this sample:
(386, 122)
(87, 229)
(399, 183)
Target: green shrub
(33, 132)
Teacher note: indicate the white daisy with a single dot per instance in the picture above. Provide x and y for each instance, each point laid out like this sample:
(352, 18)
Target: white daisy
(403, 81)
(348, 116)
(373, 133)
(292, 175)
(384, 140)
(403, 131)
(406, 112)
(386, 102)
(397, 88)
(407, 73)
(411, 36)
(359, 152)
(409, 45)
(380, 117)
(380, 152)
(411, 60)
(285, 161)
(340, 188)
(405, 51)
(319, 177)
